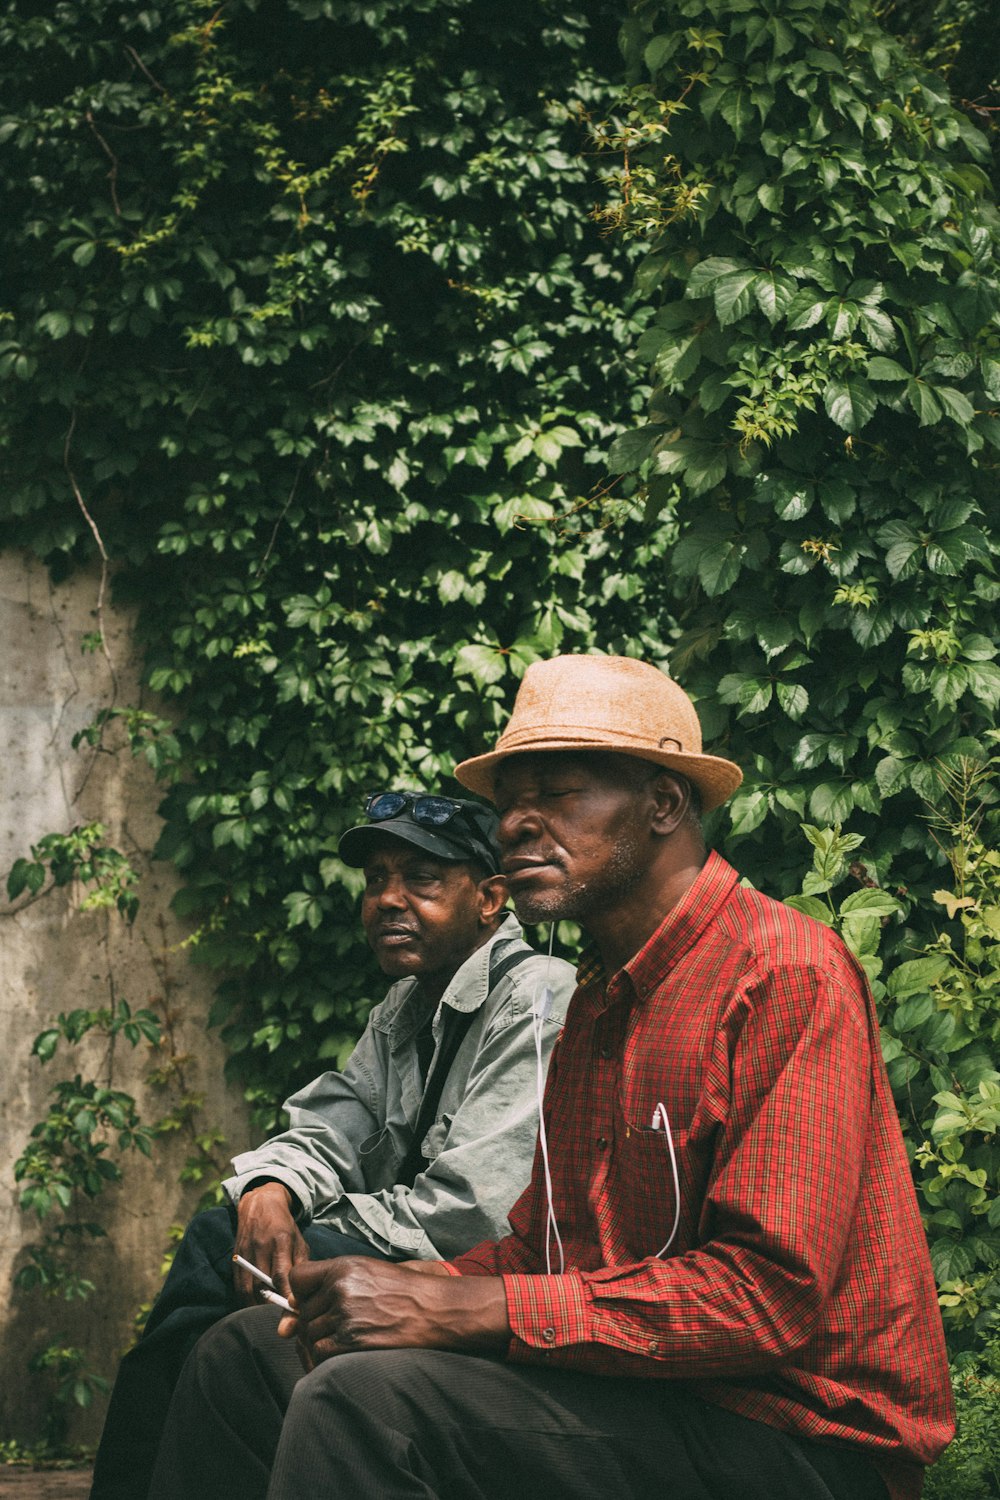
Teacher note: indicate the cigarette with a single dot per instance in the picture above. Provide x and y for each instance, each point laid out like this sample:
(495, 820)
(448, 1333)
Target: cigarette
(254, 1271)
(276, 1298)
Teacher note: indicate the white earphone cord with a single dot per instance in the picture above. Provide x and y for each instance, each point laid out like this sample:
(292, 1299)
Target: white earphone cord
(540, 1015)
(660, 1117)
(660, 1114)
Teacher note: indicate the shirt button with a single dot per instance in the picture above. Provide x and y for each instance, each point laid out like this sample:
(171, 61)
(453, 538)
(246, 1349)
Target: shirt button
(605, 1053)
(549, 1335)
(653, 1346)
(602, 1142)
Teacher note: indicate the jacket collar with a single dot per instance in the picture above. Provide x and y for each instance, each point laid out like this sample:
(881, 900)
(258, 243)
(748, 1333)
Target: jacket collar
(466, 991)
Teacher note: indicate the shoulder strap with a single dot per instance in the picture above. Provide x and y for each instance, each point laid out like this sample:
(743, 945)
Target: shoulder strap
(456, 1024)
(502, 963)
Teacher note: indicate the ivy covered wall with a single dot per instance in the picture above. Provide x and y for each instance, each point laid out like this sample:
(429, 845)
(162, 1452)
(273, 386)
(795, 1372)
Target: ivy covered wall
(314, 336)
(319, 333)
(822, 264)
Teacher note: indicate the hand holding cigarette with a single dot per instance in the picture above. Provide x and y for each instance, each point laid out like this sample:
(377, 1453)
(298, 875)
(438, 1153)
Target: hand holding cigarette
(267, 1289)
(355, 1302)
(267, 1238)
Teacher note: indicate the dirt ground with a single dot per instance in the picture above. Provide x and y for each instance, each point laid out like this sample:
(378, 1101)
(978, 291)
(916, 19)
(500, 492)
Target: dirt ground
(44, 1484)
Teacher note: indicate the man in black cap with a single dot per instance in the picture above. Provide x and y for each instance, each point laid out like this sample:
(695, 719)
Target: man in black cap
(416, 1150)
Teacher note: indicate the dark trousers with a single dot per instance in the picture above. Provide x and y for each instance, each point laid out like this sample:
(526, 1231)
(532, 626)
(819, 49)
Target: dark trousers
(419, 1424)
(198, 1292)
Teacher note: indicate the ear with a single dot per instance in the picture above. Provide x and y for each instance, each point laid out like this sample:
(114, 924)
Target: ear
(672, 797)
(492, 898)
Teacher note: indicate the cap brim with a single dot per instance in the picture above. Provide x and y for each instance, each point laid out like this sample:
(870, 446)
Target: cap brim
(355, 844)
(715, 778)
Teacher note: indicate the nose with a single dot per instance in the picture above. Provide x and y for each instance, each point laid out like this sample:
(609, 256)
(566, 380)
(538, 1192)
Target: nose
(391, 895)
(518, 822)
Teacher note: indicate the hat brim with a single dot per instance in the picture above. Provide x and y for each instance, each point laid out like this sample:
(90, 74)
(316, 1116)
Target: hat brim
(355, 844)
(715, 778)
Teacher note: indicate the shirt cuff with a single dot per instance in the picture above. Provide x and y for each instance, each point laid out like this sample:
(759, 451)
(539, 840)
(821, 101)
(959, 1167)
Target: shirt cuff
(236, 1187)
(547, 1312)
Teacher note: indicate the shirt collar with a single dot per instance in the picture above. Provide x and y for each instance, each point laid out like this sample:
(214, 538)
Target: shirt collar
(677, 933)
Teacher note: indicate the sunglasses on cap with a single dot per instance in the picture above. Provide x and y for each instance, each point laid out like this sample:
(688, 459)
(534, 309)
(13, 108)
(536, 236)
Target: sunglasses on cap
(473, 825)
(433, 812)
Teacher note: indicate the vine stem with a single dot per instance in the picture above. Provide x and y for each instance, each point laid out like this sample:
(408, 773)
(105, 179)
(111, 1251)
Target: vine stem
(105, 561)
(277, 524)
(101, 592)
(113, 174)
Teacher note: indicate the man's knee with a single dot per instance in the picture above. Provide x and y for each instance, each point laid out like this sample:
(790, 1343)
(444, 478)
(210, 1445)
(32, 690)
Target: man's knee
(246, 1333)
(399, 1388)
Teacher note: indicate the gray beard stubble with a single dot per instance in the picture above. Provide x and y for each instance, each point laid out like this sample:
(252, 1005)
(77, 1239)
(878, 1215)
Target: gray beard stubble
(576, 900)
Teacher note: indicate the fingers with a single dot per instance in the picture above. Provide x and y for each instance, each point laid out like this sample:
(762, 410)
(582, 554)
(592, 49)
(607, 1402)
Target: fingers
(284, 1250)
(317, 1290)
(244, 1284)
(268, 1237)
(316, 1279)
(288, 1327)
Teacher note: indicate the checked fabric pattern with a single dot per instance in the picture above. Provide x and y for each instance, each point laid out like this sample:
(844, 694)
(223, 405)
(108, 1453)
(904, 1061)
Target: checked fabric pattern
(798, 1290)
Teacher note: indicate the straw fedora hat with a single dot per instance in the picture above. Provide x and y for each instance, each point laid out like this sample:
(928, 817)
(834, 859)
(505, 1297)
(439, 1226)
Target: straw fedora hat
(609, 703)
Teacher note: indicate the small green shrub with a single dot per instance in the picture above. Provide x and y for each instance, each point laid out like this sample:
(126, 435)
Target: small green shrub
(970, 1468)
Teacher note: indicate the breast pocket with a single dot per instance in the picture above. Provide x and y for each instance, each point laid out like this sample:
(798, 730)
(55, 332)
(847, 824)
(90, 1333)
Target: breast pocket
(646, 1189)
(379, 1160)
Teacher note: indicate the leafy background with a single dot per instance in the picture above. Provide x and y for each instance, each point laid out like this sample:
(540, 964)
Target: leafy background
(382, 348)
(326, 343)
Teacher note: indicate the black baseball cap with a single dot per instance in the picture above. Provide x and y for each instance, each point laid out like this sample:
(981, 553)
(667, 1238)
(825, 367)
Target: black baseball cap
(450, 828)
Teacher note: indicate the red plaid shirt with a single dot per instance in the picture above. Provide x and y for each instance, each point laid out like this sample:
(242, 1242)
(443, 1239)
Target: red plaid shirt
(798, 1290)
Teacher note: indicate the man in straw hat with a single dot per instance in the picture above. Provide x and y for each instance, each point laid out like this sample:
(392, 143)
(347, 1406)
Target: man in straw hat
(716, 1286)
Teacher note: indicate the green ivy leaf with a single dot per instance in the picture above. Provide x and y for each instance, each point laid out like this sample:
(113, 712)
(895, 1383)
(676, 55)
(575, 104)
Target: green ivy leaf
(748, 810)
(811, 906)
(484, 664)
(952, 1259)
(851, 403)
(793, 698)
(924, 401)
(733, 296)
(831, 802)
(630, 450)
(301, 907)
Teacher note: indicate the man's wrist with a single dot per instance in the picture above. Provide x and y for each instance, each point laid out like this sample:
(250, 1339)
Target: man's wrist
(476, 1313)
(260, 1184)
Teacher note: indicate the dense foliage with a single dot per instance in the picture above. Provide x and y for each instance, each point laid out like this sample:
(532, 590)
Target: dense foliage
(307, 331)
(827, 364)
(312, 335)
(824, 427)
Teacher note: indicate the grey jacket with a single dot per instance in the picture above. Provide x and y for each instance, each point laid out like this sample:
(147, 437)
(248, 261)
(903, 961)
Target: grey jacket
(348, 1132)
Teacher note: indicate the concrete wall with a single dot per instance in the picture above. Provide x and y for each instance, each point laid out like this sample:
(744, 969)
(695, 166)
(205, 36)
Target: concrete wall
(53, 958)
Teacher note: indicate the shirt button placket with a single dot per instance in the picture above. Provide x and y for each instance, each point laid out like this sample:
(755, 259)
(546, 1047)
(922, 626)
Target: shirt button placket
(604, 1052)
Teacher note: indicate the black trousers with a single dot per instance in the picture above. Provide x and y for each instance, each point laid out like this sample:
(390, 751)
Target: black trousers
(198, 1292)
(418, 1424)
